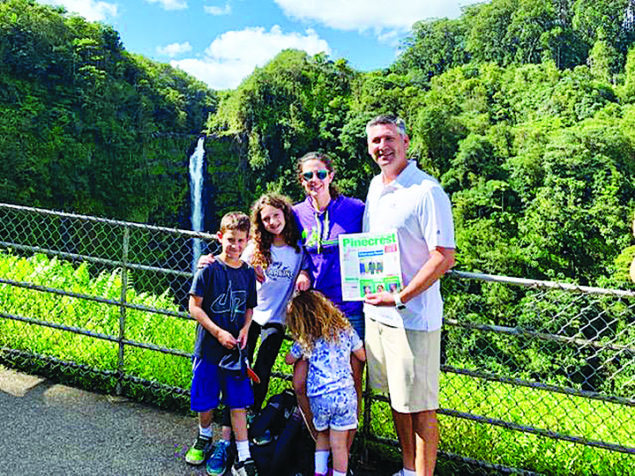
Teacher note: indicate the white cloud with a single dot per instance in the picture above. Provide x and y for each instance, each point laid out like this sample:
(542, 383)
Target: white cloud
(216, 73)
(378, 15)
(91, 10)
(233, 55)
(174, 49)
(170, 4)
(390, 37)
(226, 10)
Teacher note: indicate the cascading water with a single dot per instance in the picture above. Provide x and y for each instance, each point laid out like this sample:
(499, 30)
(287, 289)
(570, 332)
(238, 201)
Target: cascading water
(196, 196)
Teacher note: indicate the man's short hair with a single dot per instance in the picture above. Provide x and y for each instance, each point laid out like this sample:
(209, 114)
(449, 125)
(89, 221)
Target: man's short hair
(235, 221)
(383, 119)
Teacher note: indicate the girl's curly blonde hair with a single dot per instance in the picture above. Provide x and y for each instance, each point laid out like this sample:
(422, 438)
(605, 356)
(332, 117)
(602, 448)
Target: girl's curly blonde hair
(311, 316)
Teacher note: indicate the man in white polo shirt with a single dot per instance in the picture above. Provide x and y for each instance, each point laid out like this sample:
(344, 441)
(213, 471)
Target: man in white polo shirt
(403, 329)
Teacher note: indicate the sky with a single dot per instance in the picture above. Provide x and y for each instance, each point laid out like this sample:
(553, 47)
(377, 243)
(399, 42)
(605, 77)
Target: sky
(220, 42)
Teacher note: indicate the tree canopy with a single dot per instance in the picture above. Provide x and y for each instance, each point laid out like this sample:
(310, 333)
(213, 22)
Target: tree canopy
(523, 109)
(87, 126)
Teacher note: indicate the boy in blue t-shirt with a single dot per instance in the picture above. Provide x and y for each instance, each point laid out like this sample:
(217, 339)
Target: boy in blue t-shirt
(222, 299)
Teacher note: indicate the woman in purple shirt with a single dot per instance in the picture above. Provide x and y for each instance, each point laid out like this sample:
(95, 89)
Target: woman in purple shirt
(322, 217)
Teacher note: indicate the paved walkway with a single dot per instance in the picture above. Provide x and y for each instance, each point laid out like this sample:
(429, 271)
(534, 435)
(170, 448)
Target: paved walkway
(54, 430)
(51, 429)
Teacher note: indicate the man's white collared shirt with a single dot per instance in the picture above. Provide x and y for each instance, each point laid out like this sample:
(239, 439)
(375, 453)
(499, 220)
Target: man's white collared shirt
(417, 207)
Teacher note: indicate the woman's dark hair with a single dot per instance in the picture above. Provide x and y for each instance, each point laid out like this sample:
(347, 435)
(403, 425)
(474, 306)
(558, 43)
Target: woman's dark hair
(326, 160)
(262, 238)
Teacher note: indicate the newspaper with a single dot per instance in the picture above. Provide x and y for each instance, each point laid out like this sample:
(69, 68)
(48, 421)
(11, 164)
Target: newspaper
(369, 263)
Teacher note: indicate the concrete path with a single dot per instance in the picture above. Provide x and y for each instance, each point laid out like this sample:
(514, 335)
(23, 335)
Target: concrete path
(50, 429)
(54, 430)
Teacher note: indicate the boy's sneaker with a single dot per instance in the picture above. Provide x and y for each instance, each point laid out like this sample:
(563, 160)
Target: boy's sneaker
(263, 439)
(245, 468)
(328, 473)
(218, 463)
(198, 452)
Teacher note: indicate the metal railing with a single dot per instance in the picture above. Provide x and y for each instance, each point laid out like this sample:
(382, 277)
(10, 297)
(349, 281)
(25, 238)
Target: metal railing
(536, 376)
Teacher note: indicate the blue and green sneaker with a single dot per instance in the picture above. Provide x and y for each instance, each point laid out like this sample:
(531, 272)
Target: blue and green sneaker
(197, 454)
(218, 463)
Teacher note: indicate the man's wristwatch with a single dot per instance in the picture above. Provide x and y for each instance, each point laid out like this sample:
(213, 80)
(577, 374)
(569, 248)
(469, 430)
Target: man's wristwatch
(398, 304)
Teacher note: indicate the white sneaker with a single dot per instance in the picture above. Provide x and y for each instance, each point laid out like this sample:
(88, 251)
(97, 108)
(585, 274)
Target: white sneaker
(245, 468)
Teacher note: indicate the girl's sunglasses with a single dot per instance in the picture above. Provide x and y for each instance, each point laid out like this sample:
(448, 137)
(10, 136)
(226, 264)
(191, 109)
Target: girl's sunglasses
(321, 174)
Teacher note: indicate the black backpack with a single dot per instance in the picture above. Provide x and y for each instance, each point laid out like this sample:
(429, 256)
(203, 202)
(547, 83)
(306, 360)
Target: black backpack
(291, 449)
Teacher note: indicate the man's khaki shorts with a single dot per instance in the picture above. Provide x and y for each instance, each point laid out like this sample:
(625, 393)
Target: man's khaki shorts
(405, 364)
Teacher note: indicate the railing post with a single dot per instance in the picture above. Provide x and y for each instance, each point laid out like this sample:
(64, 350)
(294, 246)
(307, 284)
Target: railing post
(122, 307)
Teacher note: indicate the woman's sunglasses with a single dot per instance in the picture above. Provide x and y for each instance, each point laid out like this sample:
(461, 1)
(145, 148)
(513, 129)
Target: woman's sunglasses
(321, 174)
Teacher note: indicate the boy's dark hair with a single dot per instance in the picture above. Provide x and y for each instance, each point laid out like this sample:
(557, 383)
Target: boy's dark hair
(235, 221)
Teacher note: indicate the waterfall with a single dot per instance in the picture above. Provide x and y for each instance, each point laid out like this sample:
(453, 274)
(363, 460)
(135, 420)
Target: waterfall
(196, 196)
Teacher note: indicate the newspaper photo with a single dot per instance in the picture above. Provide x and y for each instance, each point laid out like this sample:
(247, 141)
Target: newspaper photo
(369, 264)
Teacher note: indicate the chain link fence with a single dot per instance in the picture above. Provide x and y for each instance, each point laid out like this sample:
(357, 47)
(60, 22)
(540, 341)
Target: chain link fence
(537, 377)
(108, 296)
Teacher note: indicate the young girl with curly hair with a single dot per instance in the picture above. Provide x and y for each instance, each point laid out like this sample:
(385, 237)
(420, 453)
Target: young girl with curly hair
(274, 251)
(325, 338)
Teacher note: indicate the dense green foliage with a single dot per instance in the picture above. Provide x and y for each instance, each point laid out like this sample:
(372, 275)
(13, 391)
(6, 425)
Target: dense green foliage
(82, 121)
(523, 406)
(97, 317)
(524, 109)
(497, 400)
(539, 161)
(514, 32)
(293, 105)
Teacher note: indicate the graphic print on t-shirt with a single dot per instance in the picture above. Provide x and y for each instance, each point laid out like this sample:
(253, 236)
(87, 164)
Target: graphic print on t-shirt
(279, 271)
(232, 302)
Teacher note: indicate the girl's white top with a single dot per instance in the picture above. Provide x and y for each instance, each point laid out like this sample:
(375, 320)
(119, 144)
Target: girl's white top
(274, 293)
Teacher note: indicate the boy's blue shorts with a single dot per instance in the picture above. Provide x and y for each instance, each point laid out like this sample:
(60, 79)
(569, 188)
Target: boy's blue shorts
(209, 382)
